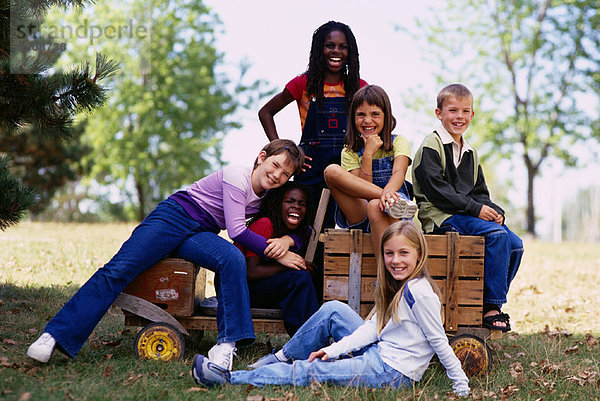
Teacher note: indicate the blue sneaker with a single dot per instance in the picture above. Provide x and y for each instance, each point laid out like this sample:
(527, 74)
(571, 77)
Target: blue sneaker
(265, 360)
(208, 373)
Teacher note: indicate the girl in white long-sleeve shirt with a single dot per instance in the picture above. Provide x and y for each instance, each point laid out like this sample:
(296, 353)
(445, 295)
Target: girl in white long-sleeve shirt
(392, 348)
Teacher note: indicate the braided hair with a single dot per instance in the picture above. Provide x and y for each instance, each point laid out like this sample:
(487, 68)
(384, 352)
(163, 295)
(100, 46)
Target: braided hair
(317, 65)
(270, 207)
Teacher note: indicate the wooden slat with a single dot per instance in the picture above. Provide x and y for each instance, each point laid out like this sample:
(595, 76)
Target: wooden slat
(451, 295)
(273, 326)
(354, 273)
(470, 292)
(466, 268)
(470, 246)
(338, 242)
(467, 315)
(437, 266)
(261, 313)
(320, 215)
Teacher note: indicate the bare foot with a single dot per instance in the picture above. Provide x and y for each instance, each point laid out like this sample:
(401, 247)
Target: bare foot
(500, 324)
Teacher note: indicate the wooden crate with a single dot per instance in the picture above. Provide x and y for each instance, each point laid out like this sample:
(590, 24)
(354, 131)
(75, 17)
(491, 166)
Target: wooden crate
(455, 263)
(170, 284)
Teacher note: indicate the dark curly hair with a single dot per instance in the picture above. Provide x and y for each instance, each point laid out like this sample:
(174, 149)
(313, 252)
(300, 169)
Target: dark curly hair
(270, 208)
(317, 64)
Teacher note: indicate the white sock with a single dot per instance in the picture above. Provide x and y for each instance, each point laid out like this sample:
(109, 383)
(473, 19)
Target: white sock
(281, 356)
(231, 344)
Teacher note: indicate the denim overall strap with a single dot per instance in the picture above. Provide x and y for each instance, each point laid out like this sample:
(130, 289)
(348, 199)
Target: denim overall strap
(323, 137)
(382, 171)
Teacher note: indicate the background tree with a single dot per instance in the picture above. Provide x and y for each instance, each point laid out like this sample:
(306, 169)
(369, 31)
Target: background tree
(36, 101)
(43, 163)
(531, 65)
(162, 128)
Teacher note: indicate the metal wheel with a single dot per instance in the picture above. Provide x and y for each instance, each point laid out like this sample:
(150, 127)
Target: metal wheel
(159, 341)
(473, 353)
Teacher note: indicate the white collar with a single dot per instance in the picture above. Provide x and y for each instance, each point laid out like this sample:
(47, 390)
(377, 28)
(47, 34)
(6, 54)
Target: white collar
(447, 138)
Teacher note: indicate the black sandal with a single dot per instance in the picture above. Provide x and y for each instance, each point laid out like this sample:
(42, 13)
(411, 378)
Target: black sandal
(488, 322)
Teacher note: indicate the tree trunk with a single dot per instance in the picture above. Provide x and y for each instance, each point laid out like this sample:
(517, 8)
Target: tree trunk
(531, 173)
(141, 199)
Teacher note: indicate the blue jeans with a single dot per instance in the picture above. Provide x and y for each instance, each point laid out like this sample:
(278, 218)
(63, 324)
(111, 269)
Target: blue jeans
(503, 253)
(333, 320)
(291, 290)
(161, 232)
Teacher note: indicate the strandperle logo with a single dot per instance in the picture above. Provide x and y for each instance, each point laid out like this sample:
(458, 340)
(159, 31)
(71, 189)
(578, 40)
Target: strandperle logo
(86, 30)
(32, 38)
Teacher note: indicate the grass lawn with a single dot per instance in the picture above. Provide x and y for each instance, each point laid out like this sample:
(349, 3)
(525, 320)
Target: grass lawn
(553, 352)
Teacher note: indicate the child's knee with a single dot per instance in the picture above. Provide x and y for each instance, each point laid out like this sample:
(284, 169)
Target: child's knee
(373, 209)
(235, 263)
(332, 173)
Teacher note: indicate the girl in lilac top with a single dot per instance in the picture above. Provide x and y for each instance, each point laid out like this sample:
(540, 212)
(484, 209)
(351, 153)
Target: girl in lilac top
(186, 225)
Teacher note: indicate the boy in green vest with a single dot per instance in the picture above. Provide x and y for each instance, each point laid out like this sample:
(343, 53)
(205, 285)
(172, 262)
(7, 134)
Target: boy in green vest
(450, 190)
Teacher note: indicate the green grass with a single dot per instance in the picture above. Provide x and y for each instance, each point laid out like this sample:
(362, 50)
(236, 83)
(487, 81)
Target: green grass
(552, 354)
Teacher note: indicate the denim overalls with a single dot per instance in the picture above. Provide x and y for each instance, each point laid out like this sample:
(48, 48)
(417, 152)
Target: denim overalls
(322, 139)
(382, 172)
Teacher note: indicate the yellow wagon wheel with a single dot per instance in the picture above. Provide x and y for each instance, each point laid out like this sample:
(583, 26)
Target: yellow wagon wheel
(473, 353)
(159, 341)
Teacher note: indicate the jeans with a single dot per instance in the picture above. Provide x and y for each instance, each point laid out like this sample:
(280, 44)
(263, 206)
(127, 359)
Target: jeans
(334, 320)
(503, 253)
(161, 232)
(291, 290)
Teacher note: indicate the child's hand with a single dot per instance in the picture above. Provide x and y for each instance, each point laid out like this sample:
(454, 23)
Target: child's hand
(372, 143)
(500, 219)
(461, 389)
(278, 246)
(387, 198)
(293, 261)
(318, 354)
(488, 214)
(305, 165)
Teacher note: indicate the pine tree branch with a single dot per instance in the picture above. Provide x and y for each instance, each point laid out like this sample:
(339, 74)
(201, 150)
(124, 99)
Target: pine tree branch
(15, 198)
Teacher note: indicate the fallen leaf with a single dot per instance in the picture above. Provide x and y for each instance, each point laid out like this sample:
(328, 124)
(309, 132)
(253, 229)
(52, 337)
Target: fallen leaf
(548, 367)
(33, 371)
(547, 386)
(516, 371)
(4, 362)
(569, 309)
(556, 333)
(25, 396)
(132, 378)
(196, 389)
(255, 397)
(591, 341)
(108, 356)
(9, 341)
(508, 391)
(572, 350)
(106, 371)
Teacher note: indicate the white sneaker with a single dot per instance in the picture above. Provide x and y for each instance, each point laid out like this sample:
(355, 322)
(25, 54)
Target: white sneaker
(41, 350)
(402, 209)
(222, 355)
